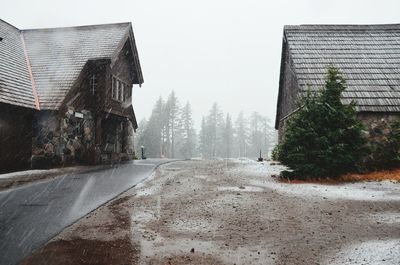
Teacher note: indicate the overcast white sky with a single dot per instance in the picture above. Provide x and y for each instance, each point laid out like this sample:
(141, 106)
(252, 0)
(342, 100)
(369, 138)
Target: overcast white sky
(207, 50)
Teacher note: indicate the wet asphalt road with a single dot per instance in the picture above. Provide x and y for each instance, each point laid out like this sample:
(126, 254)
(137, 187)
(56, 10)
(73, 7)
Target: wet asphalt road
(33, 214)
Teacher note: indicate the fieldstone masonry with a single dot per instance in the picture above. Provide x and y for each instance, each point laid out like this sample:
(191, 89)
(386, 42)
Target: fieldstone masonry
(378, 126)
(77, 135)
(128, 140)
(67, 139)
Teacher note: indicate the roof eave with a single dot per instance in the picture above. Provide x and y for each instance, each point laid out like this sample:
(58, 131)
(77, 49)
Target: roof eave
(281, 76)
(129, 36)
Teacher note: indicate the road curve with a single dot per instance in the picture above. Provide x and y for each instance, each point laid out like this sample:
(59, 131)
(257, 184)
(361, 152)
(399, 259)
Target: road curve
(33, 214)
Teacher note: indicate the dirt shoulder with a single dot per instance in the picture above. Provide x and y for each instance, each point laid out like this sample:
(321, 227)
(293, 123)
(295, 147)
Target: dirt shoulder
(234, 212)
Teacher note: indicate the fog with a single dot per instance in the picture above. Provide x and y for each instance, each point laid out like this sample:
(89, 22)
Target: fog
(226, 51)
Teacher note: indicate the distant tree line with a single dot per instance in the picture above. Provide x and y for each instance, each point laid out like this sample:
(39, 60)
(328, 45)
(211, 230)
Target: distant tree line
(170, 132)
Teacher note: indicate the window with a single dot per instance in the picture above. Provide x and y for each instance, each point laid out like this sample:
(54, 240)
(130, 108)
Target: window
(118, 89)
(93, 84)
(114, 88)
(121, 91)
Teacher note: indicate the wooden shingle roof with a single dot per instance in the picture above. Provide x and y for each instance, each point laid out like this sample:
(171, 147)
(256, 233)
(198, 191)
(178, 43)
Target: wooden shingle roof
(368, 56)
(15, 84)
(56, 57)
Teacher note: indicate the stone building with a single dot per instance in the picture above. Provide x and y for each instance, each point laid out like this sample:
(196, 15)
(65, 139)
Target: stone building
(367, 55)
(66, 95)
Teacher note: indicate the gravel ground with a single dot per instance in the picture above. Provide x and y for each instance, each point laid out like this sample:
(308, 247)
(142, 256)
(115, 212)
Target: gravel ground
(234, 212)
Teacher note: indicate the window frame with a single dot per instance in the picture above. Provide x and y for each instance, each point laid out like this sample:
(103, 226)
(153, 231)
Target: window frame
(93, 84)
(118, 89)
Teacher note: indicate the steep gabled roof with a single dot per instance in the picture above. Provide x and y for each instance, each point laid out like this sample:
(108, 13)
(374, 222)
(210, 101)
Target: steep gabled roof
(368, 56)
(56, 56)
(15, 84)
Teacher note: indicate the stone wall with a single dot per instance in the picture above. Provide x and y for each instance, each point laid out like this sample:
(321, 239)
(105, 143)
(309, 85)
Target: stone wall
(77, 130)
(129, 147)
(46, 140)
(62, 139)
(377, 125)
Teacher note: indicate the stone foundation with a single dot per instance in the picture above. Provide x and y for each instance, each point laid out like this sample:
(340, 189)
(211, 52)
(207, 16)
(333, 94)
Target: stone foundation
(129, 132)
(377, 125)
(69, 138)
(65, 139)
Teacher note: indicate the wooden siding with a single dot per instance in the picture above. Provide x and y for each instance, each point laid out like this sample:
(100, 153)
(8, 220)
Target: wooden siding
(123, 69)
(289, 93)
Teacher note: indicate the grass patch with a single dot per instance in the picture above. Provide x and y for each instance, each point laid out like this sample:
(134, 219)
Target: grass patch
(391, 175)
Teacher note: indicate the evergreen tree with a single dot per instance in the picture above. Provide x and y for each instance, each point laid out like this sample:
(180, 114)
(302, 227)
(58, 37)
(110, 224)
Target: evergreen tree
(214, 124)
(173, 111)
(170, 125)
(204, 141)
(140, 136)
(256, 134)
(187, 133)
(241, 136)
(270, 137)
(324, 137)
(153, 132)
(228, 137)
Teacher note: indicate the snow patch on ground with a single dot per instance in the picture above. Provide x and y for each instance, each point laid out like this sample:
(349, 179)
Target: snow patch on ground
(386, 218)
(371, 252)
(192, 226)
(147, 191)
(242, 188)
(143, 216)
(28, 173)
(144, 189)
(204, 177)
(363, 191)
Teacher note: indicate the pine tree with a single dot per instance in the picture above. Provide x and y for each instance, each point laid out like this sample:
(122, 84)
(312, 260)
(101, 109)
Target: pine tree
(256, 134)
(153, 132)
(270, 137)
(140, 136)
(324, 137)
(241, 136)
(187, 133)
(174, 109)
(204, 141)
(214, 124)
(170, 125)
(228, 137)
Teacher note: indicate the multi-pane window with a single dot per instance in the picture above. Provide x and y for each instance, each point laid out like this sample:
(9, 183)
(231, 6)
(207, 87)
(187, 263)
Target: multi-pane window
(118, 89)
(121, 91)
(93, 84)
(114, 88)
